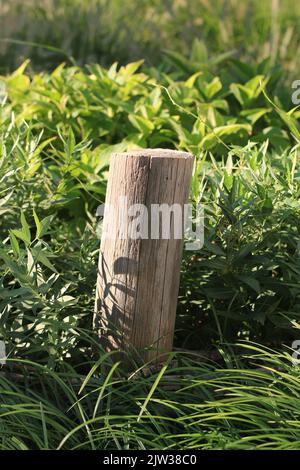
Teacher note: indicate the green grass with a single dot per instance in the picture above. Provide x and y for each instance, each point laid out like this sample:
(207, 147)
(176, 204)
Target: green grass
(244, 403)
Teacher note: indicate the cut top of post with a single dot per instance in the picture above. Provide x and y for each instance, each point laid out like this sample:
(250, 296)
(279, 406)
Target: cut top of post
(155, 153)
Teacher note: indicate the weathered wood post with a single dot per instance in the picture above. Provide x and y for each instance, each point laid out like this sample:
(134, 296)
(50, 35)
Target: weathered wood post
(139, 264)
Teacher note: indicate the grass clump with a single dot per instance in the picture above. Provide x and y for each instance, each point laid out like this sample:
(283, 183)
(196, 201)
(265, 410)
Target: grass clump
(245, 403)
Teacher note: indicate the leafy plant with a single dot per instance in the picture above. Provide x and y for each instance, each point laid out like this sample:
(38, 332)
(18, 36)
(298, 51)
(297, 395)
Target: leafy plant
(58, 130)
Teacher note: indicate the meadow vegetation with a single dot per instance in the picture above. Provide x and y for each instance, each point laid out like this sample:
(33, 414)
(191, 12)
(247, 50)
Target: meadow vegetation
(62, 114)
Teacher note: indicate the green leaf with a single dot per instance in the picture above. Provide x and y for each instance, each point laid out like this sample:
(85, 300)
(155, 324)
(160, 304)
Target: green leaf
(144, 125)
(218, 133)
(213, 87)
(291, 123)
(25, 229)
(37, 224)
(71, 142)
(41, 257)
(199, 52)
(251, 282)
(130, 69)
(45, 224)
(14, 244)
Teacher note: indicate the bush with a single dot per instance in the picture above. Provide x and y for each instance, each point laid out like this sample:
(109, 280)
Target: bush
(58, 130)
(62, 128)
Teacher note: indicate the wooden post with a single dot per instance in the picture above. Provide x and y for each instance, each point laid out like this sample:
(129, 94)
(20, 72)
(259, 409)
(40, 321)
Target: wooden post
(138, 277)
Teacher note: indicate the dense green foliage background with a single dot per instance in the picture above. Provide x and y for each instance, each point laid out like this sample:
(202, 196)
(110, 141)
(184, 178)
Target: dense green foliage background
(224, 95)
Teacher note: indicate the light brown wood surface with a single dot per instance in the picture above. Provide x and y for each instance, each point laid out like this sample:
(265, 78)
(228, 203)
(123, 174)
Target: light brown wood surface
(138, 279)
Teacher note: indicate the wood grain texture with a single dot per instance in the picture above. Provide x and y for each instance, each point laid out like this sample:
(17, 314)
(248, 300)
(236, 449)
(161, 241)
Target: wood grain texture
(138, 279)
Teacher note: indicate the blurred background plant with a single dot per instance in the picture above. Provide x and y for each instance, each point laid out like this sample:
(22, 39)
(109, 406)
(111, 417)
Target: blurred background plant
(102, 31)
